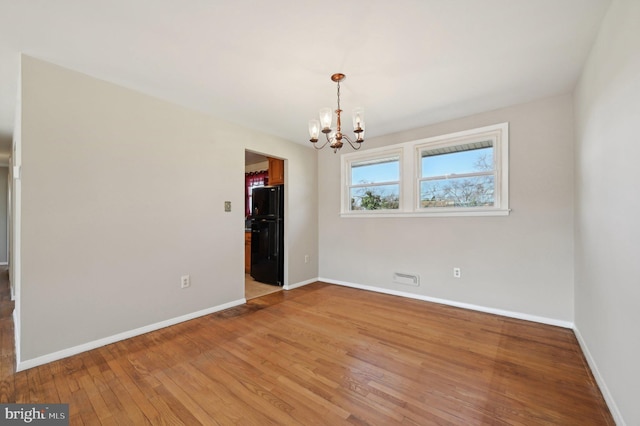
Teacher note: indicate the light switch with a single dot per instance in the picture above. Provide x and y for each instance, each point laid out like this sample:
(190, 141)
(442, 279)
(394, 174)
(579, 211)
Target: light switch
(227, 206)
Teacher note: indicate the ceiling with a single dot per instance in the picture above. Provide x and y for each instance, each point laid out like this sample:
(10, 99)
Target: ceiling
(251, 158)
(266, 64)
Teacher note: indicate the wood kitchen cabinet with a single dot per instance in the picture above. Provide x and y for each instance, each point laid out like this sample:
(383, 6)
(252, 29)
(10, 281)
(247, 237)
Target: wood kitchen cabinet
(276, 171)
(247, 252)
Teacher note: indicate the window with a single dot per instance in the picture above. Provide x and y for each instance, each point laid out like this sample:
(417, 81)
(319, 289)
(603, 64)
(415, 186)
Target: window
(460, 174)
(252, 180)
(375, 184)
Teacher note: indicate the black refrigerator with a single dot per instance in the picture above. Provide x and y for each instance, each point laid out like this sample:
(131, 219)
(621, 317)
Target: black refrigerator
(267, 234)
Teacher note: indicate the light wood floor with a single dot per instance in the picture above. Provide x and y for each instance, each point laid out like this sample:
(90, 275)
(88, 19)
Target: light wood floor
(253, 288)
(322, 354)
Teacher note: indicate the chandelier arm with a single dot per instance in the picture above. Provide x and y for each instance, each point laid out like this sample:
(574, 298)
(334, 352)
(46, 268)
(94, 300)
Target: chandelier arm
(326, 135)
(323, 145)
(356, 147)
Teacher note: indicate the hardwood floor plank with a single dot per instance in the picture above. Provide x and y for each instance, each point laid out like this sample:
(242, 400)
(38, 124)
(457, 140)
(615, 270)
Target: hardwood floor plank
(185, 399)
(271, 373)
(132, 389)
(204, 393)
(322, 354)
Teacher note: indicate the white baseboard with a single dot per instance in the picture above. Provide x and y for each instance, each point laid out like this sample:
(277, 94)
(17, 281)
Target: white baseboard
(300, 284)
(510, 314)
(34, 362)
(615, 412)
(44, 359)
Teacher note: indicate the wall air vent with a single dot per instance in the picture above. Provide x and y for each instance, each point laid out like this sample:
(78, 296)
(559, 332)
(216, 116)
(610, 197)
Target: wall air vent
(406, 279)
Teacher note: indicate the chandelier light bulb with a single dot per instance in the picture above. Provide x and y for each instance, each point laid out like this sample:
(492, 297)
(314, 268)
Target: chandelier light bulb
(358, 119)
(314, 130)
(326, 116)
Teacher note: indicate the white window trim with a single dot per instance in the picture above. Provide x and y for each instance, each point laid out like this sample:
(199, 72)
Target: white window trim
(364, 156)
(410, 175)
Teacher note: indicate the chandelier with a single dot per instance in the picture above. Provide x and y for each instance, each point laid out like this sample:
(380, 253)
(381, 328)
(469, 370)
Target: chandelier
(334, 138)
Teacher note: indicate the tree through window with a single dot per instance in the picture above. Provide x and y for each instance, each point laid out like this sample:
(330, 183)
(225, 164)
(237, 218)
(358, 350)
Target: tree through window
(458, 176)
(375, 184)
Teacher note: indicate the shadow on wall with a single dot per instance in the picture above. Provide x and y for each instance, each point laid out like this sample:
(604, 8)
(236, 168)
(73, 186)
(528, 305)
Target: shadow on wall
(5, 147)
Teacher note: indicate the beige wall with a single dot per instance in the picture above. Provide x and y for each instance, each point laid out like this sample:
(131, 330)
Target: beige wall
(121, 195)
(521, 263)
(608, 207)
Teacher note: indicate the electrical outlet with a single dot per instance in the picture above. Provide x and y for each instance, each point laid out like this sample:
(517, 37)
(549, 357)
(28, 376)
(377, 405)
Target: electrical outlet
(306, 258)
(185, 281)
(227, 206)
(456, 272)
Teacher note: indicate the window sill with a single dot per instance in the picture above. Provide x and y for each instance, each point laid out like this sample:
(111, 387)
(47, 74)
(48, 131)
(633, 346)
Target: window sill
(439, 213)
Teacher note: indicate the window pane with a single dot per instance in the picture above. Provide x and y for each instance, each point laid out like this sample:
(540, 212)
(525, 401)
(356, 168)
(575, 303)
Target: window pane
(457, 192)
(375, 171)
(439, 163)
(375, 197)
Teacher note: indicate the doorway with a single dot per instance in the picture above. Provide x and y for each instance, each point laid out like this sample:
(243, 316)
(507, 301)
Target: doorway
(260, 170)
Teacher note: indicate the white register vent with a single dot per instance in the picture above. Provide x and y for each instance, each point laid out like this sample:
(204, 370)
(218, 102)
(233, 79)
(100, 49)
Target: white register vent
(406, 279)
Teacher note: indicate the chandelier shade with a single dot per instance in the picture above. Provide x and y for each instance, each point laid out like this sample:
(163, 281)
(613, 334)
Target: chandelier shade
(334, 137)
(314, 129)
